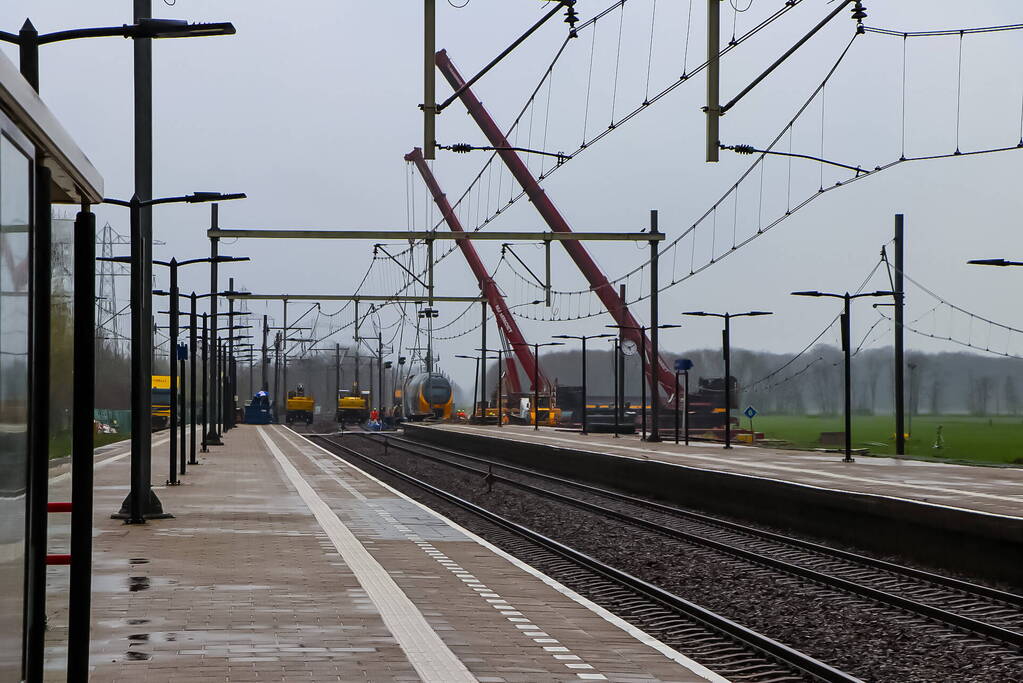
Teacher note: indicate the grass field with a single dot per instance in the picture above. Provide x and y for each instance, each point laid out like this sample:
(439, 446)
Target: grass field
(60, 446)
(973, 439)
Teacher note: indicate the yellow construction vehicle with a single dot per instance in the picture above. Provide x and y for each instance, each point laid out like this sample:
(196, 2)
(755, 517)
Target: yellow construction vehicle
(300, 407)
(160, 415)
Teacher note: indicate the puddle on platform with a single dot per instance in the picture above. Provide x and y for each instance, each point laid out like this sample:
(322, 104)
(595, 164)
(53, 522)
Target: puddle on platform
(117, 583)
(138, 560)
(138, 583)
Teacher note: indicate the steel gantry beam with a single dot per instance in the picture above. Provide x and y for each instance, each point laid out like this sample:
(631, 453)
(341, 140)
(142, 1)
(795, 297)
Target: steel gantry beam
(428, 235)
(239, 296)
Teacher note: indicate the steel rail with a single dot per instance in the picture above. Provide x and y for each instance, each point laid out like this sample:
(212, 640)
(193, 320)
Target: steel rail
(751, 639)
(946, 581)
(950, 618)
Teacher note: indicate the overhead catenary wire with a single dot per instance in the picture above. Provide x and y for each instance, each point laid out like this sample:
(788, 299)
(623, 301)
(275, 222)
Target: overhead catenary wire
(791, 209)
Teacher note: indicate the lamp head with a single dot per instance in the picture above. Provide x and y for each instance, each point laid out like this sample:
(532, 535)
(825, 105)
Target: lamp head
(178, 28)
(988, 262)
(197, 197)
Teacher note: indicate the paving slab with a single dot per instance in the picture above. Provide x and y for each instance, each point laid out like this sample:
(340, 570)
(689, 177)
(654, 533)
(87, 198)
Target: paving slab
(282, 563)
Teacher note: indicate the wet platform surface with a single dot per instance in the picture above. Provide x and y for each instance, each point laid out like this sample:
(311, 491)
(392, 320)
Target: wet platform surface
(284, 564)
(994, 490)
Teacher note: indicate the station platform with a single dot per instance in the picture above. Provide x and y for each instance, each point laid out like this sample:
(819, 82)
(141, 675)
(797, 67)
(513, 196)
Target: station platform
(993, 490)
(282, 563)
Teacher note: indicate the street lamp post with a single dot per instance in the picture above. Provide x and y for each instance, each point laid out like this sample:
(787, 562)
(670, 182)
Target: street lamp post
(142, 503)
(174, 312)
(642, 329)
(583, 339)
(145, 502)
(500, 380)
(28, 38)
(205, 380)
(677, 405)
(475, 381)
(28, 41)
(912, 396)
(615, 362)
(536, 380)
(847, 349)
(726, 349)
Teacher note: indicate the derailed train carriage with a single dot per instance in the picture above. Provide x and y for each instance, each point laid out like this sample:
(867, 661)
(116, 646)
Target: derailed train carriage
(425, 396)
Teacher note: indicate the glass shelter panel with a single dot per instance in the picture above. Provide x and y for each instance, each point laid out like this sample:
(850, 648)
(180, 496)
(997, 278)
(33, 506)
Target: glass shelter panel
(15, 213)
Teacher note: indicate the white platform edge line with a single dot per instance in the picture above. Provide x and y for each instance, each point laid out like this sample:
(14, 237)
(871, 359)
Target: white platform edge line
(763, 477)
(611, 618)
(426, 652)
(320, 463)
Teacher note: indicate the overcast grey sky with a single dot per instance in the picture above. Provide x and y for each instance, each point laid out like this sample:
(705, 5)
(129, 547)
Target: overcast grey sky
(311, 106)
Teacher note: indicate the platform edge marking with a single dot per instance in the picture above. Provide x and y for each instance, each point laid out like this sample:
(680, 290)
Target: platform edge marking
(765, 477)
(433, 661)
(492, 598)
(637, 633)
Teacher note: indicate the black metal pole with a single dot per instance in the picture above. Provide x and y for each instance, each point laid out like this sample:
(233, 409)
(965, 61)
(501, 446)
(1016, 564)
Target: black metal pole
(475, 389)
(82, 454)
(900, 359)
(621, 361)
(380, 375)
(141, 390)
(41, 250)
(143, 125)
(277, 374)
(685, 407)
(642, 377)
(847, 348)
(337, 377)
(28, 54)
(912, 397)
(205, 382)
(232, 370)
(584, 385)
(536, 388)
(213, 436)
(184, 411)
(500, 385)
(615, 370)
(172, 370)
(283, 359)
(677, 405)
(481, 369)
(192, 342)
(265, 386)
(215, 390)
(654, 363)
(726, 349)
(224, 373)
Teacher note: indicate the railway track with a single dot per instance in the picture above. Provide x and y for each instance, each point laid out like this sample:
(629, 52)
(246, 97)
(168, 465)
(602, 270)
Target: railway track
(970, 608)
(728, 648)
